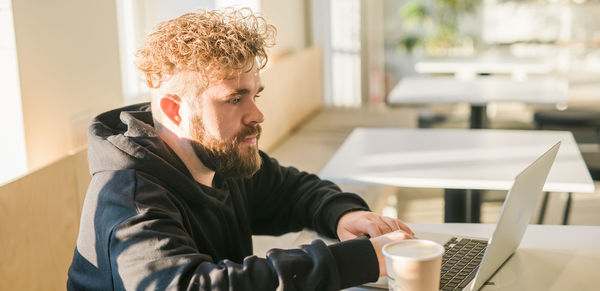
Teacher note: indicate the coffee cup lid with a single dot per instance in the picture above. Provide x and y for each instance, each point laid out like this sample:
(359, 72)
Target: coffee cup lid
(403, 250)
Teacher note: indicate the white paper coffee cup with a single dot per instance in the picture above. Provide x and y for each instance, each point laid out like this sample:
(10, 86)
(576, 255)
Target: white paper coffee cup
(413, 265)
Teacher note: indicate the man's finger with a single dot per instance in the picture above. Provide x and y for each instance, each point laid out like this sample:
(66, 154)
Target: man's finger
(398, 235)
(384, 225)
(391, 222)
(404, 227)
(397, 224)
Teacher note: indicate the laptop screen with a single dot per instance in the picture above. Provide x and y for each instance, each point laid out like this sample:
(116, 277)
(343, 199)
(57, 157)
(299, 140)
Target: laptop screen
(515, 215)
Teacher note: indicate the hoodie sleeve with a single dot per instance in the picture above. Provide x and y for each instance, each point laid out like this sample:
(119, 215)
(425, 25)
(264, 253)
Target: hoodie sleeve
(153, 251)
(284, 199)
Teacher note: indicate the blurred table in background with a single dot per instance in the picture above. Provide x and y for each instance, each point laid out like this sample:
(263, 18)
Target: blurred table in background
(479, 92)
(455, 159)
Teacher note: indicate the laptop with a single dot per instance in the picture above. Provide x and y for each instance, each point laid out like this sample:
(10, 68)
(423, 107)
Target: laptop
(468, 261)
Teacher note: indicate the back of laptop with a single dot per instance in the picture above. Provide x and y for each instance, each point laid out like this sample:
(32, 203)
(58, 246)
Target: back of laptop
(515, 215)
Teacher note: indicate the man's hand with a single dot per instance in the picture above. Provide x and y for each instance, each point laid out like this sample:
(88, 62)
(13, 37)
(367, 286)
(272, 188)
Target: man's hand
(356, 223)
(381, 229)
(380, 241)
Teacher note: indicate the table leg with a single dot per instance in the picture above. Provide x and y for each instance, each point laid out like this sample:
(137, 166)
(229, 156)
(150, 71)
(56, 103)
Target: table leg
(543, 208)
(462, 205)
(465, 205)
(567, 210)
(478, 117)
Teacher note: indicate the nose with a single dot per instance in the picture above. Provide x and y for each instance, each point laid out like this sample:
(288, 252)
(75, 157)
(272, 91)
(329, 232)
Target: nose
(254, 116)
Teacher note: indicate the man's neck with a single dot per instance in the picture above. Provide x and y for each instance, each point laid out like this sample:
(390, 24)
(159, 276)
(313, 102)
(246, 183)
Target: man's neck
(184, 151)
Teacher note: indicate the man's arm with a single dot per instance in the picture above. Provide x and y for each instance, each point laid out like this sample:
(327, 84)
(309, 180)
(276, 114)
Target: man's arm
(283, 199)
(154, 251)
(291, 199)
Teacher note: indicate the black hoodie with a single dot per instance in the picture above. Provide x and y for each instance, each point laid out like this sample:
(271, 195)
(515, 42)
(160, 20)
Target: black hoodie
(147, 224)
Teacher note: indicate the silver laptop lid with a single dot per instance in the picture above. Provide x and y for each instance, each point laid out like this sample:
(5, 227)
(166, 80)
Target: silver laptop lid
(515, 215)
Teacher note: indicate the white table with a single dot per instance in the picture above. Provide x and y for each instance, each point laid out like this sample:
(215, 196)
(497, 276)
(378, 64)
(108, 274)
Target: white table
(548, 258)
(454, 159)
(468, 67)
(479, 92)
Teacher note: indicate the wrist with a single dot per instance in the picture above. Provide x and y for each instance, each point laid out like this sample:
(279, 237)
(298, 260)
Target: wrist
(336, 212)
(378, 244)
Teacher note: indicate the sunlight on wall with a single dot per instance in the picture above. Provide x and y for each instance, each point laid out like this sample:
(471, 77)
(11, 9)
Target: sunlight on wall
(13, 158)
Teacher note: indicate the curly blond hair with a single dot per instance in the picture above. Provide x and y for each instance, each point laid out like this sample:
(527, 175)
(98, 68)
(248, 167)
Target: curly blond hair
(214, 43)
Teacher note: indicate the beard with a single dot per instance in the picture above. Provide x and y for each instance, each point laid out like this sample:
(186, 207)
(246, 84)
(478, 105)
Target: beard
(226, 157)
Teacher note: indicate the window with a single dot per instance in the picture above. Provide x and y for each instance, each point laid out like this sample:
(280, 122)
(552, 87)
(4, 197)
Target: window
(336, 26)
(345, 53)
(12, 144)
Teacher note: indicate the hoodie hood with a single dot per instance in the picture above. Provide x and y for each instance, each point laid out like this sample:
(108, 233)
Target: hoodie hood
(125, 138)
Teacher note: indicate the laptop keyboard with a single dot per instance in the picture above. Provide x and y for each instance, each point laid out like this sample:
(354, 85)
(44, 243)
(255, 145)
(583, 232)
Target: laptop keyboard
(460, 262)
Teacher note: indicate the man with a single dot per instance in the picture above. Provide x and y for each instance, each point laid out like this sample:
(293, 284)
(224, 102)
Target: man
(179, 186)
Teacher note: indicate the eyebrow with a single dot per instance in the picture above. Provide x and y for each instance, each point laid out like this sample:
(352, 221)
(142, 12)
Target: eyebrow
(245, 91)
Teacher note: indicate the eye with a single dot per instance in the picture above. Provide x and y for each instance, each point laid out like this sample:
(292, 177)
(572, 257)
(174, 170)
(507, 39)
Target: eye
(256, 96)
(234, 101)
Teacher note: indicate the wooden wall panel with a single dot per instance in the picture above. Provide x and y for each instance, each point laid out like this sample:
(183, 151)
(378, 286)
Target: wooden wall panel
(293, 91)
(82, 177)
(39, 218)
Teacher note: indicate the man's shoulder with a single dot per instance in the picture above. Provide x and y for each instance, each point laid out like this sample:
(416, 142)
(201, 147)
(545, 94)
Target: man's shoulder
(128, 185)
(126, 193)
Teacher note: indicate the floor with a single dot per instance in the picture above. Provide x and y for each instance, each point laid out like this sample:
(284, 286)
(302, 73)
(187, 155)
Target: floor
(311, 145)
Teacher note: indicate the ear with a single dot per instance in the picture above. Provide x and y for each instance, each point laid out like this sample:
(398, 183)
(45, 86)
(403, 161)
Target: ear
(170, 105)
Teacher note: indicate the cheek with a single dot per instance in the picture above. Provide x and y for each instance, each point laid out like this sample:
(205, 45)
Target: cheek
(211, 125)
(218, 126)
(219, 120)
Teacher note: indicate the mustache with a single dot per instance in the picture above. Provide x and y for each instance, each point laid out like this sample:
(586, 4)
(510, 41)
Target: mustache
(247, 131)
